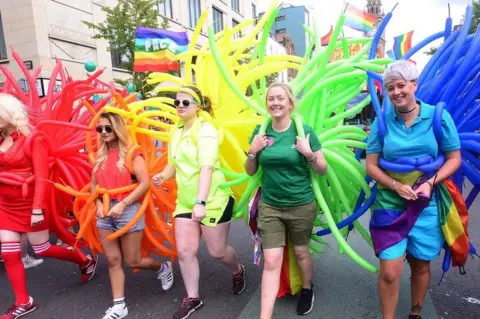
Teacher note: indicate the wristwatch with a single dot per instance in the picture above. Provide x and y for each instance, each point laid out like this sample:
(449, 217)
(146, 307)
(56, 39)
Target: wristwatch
(200, 202)
(251, 156)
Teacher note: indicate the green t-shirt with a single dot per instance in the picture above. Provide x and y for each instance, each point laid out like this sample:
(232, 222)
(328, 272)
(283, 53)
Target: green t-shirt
(285, 180)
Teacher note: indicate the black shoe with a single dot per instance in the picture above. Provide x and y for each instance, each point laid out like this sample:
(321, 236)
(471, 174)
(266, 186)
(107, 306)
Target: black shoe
(305, 303)
(188, 306)
(239, 281)
(414, 317)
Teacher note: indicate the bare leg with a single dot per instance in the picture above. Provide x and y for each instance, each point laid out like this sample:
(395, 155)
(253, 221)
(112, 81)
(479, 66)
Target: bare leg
(216, 240)
(305, 262)
(389, 285)
(419, 285)
(131, 248)
(187, 236)
(113, 253)
(270, 280)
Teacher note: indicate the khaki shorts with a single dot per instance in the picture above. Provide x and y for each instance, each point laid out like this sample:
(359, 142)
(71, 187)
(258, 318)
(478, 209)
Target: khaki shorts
(275, 222)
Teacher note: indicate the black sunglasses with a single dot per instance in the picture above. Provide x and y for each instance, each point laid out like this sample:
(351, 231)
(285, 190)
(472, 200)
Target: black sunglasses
(106, 129)
(185, 103)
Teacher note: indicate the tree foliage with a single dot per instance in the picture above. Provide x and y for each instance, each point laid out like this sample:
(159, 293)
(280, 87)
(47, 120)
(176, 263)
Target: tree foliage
(473, 27)
(119, 29)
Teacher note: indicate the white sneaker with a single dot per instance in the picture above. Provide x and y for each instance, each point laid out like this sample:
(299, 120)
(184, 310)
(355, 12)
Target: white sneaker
(30, 262)
(116, 313)
(64, 245)
(166, 276)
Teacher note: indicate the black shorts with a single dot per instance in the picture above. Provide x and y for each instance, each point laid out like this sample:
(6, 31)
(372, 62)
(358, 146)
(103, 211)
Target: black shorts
(226, 216)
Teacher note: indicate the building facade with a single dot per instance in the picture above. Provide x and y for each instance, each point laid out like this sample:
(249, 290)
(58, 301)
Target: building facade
(275, 48)
(289, 24)
(41, 31)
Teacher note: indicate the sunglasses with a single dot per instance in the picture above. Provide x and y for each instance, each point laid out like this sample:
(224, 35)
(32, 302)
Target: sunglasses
(106, 129)
(185, 103)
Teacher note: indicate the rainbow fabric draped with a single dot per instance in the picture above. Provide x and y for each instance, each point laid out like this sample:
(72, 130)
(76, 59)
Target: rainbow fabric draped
(393, 217)
(453, 216)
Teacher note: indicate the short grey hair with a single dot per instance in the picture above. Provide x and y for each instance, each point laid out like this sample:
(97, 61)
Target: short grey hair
(400, 70)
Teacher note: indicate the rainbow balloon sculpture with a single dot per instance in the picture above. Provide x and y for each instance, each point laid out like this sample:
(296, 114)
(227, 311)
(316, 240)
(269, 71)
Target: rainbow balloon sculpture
(225, 69)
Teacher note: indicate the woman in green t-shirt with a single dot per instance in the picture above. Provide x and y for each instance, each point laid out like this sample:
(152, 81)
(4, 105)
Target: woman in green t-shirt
(287, 202)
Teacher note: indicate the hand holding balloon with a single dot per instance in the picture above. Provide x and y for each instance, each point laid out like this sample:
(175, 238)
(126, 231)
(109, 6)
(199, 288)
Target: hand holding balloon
(259, 143)
(303, 146)
(99, 207)
(158, 179)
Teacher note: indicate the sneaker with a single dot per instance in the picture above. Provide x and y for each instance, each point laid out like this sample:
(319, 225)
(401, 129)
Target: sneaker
(30, 262)
(116, 313)
(16, 311)
(87, 272)
(64, 245)
(166, 275)
(305, 303)
(188, 306)
(239, 283)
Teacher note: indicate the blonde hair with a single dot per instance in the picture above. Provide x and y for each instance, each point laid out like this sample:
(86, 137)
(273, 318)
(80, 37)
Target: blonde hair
(124, 142)
(288, 91)
(13, 111)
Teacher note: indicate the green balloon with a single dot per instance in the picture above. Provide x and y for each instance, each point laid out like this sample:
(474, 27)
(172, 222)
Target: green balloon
(139, 96)
(131, 88)
(90, 66)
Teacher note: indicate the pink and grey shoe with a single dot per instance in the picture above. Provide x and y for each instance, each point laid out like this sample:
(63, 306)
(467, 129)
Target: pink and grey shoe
(87, 272)
(17, 311)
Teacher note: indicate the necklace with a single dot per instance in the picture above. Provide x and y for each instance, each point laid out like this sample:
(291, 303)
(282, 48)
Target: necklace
(406, 112)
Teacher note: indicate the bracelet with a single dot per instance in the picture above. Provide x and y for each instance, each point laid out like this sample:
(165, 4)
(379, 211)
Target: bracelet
(125, 202)
(394, 183)
(41, 214)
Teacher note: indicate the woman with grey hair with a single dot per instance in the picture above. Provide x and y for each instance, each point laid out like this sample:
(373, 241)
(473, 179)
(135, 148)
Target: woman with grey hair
(408, 134)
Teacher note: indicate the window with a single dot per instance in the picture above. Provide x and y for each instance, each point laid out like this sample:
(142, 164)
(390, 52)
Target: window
(283, 30)
(234, 24)
(165, 8)
(194, 10)
(3, 46)
(236, 5)
(280, 18)
(217, 20)
(118, 60)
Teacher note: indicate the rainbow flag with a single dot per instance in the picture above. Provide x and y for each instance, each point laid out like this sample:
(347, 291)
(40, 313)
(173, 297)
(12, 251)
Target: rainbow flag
(155, 50)
(402, 44)
(358, 19)
(454, 221)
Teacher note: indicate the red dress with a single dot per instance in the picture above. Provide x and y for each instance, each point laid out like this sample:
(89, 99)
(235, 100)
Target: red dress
(15, 209)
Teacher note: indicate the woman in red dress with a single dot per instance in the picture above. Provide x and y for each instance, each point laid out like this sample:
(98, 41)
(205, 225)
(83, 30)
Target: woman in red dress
(20, 214)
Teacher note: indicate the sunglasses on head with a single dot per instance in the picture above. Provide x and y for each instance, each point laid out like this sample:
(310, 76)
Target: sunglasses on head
(184, 103)
(106, 129)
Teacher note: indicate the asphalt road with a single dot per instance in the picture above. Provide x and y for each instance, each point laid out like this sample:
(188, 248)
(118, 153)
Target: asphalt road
(343, 290)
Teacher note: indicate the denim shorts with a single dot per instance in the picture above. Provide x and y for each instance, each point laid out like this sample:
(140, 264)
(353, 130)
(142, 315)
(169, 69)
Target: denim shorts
(115, 224)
